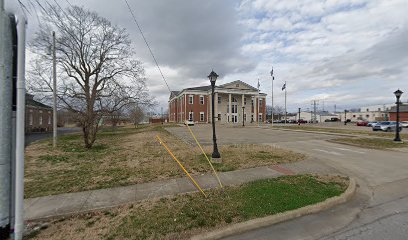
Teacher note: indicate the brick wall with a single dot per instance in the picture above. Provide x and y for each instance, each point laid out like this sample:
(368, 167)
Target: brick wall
(403, 116)
(38, 119)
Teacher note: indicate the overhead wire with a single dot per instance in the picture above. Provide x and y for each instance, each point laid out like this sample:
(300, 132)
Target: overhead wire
(147, 44)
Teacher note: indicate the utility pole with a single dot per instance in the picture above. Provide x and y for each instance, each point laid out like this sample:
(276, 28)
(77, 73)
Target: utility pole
(273, 78)
(299, 117)
(285, 105)
(314, 117)
(345, 117)
(6, 98)
(54, 93)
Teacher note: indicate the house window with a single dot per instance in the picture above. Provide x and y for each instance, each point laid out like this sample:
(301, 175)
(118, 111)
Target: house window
(191, 116)
(219, 116)
(244, 101)
(201, 116)
(190, 99)
(219, 99)
(202, 100)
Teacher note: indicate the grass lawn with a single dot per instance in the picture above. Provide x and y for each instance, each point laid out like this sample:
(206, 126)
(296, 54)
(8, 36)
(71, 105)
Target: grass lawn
(373, 143)
(182, 216)
(345, 131)
(129, 156)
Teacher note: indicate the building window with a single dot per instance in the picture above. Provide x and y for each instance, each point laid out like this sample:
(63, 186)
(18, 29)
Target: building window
(252, 117)
(252, 102)
(354, 116)
(237, 85)
(202, 100)
(245, 101)
(234, 108)
(368, 110)
(244, 117)
(379, 109)
(190, 99)
(227, 109)
(49, 119)
(367, 115)
(260, 103)
(234, 99)
(191, 116)
(201, 116)
(219, 99)
(219, 116)
(260, 117)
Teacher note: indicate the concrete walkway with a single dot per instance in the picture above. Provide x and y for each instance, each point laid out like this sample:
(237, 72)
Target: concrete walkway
(68, 203)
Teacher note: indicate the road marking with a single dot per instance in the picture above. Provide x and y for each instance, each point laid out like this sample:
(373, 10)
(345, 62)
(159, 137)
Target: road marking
(349, 150)
(329, 152)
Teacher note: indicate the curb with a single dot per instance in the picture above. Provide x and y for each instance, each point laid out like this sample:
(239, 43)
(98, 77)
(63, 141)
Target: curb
(280, 217)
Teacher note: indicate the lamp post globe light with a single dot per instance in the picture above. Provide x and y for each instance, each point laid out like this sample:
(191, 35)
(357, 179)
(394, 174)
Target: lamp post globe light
(397, 94)
(213, 77)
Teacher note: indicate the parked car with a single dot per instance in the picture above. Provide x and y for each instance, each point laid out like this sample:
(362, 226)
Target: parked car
(372, 124)
(386, 126)
(362, 123)
(302, 121)
(404, 124)
(189, 122)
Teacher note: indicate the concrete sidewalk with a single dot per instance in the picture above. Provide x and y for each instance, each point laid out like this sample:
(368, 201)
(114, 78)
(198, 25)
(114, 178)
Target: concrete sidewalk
(68, 203)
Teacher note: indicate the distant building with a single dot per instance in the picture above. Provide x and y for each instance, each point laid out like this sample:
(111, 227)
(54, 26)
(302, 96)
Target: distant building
(38, 116)
(403, 113)
(195, 104)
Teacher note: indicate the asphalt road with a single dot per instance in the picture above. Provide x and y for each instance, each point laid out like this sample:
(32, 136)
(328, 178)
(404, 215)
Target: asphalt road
(379, 208)
(32, 137)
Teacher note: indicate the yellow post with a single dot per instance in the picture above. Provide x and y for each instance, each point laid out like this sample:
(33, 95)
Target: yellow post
(181, 166)
(216, 175)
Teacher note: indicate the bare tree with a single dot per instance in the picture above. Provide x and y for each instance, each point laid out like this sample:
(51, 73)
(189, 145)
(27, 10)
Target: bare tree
(136, 114)
(97, 72)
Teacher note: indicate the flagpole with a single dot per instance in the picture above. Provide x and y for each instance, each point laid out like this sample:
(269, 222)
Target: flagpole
(285, 104)
(272, 98)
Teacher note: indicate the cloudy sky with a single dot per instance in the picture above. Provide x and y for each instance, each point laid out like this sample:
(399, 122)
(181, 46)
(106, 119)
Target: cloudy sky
(350, 52)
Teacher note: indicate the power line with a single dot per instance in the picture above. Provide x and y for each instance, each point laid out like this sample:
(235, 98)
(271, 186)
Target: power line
(147, 44)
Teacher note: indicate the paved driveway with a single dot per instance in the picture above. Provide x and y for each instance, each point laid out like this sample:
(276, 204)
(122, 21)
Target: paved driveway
(381, 201)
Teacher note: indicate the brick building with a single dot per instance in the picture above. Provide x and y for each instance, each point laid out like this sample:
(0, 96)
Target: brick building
(195, 104)
(38, 116)
(403, 113)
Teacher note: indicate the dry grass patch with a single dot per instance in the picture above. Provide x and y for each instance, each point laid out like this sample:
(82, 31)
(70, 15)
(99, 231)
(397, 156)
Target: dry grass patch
(372, 143)
(182, 216)
(129, 156)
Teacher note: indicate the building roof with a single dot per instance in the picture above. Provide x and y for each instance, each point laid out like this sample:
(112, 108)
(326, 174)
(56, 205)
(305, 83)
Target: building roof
(402, 108)
(208, 87)
(31, 102)
(202, 88)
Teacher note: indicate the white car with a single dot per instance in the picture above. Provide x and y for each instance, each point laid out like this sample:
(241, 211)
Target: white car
(404, 124)
(189, 122)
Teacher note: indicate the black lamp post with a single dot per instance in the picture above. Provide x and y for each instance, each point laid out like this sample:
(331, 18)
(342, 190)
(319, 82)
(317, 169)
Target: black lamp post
(243, 114)
(397, 94)
(213, 77)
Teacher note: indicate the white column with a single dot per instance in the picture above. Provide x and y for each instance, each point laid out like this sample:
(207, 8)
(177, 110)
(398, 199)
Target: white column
(229, 107)
(256, 108)
(242, 100)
